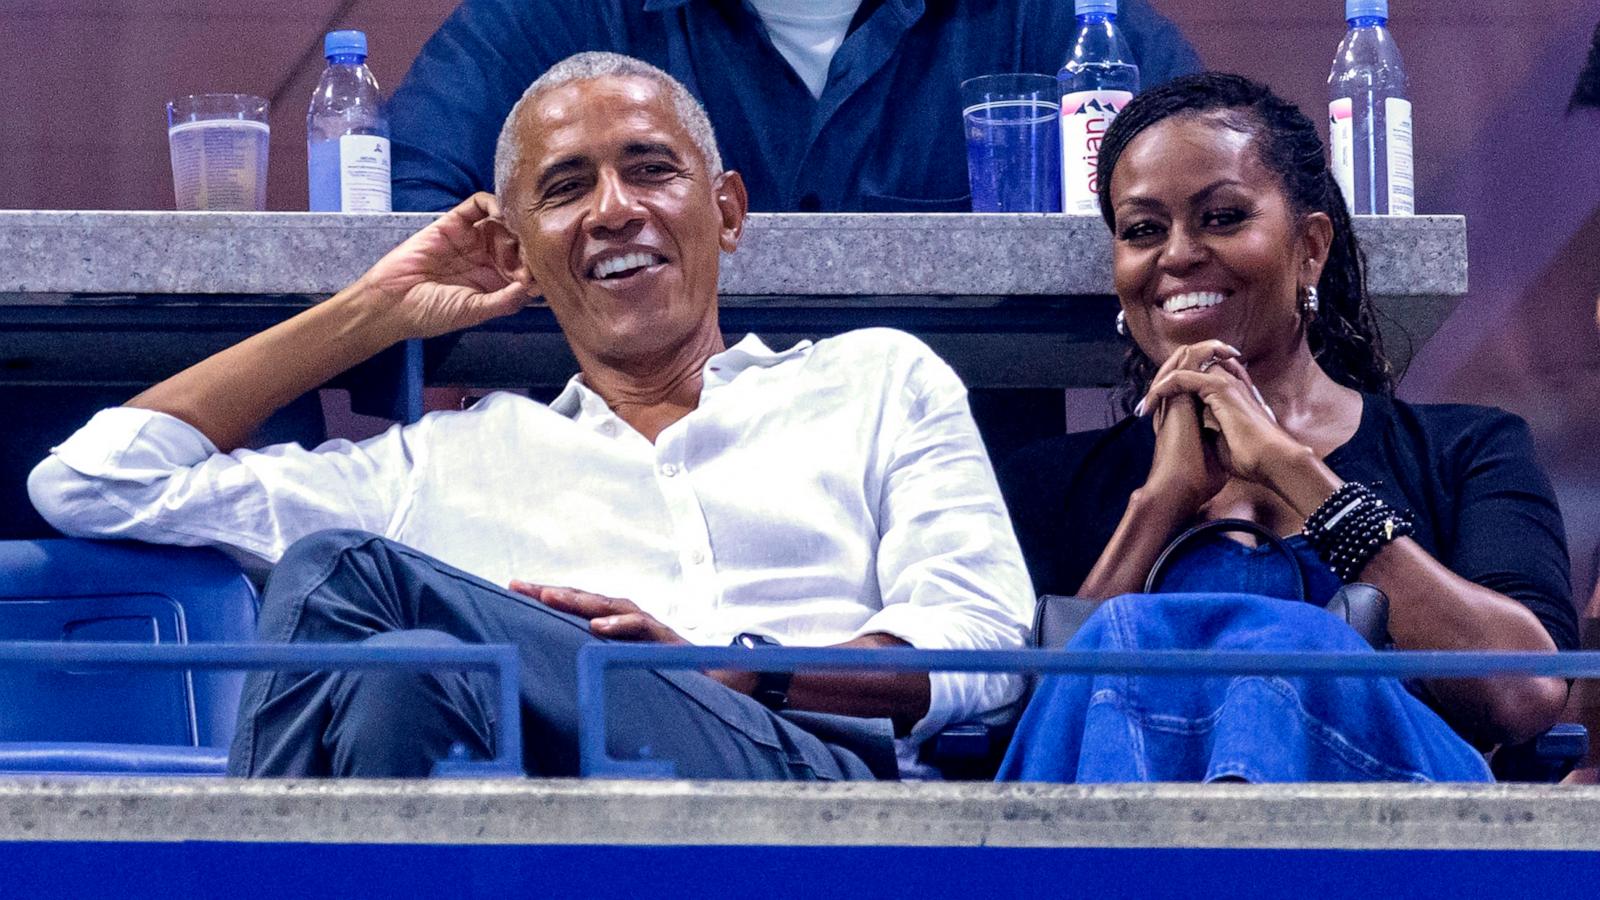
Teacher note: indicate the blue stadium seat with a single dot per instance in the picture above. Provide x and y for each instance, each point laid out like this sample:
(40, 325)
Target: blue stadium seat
(130, 722)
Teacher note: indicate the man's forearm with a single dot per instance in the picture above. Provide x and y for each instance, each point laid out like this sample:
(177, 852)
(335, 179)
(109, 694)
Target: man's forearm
(228, 395)
(903, 697)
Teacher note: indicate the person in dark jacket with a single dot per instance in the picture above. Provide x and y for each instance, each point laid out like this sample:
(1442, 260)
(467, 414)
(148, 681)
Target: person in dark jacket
(855, 109)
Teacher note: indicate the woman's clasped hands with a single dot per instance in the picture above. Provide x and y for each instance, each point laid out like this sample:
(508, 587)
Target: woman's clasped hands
(1212, 424)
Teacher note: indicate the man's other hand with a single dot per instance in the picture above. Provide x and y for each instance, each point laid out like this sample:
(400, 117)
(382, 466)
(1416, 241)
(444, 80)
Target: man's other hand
(609, 617)
(443, 278)
(622, 620)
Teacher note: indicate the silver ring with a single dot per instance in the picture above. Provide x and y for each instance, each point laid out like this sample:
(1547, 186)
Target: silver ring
(1210, 361)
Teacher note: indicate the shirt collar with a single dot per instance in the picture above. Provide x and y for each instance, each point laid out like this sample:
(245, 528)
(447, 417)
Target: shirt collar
(751, 352)
(580, 403)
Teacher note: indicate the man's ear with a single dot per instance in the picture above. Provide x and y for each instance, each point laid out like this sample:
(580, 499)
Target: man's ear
(733, 203)
(505, 249)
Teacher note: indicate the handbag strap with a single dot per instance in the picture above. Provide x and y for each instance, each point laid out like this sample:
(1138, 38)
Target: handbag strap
(1223, 526)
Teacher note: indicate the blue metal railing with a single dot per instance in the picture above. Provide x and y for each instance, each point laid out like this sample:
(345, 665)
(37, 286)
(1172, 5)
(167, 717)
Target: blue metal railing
(594, 660)
(499, 659)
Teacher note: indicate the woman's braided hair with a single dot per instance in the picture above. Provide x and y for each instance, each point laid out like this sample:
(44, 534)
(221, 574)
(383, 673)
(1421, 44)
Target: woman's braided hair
(1344, 334)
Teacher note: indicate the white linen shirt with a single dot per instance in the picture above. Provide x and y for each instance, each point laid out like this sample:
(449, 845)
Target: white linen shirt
(815, 495)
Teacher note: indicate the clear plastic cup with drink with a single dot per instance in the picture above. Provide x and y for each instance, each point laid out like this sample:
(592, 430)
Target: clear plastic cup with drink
(218, 144)
(1013, 142)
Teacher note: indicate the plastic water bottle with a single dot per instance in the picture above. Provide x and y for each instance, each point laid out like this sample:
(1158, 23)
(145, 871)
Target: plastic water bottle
(1096, 83)
(347, 137)
(1369, 117)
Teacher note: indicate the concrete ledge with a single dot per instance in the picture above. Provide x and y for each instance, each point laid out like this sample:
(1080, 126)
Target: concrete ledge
(680, 813)
(783, 255)
(1011, 301)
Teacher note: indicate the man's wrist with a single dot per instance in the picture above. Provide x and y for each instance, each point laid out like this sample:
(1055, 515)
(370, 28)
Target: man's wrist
(770, 689)
(734, 680)
(369, 322)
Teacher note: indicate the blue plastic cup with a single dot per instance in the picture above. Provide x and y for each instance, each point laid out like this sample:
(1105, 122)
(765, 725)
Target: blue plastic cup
(1013, 127)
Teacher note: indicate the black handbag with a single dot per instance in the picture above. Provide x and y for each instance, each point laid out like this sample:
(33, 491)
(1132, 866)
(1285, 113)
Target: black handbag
(1360, 605)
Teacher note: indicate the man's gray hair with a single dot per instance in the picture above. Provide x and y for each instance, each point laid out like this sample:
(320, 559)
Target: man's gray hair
(596, 64)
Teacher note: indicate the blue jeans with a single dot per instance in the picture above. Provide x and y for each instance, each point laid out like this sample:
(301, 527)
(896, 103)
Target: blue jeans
(1100, 728)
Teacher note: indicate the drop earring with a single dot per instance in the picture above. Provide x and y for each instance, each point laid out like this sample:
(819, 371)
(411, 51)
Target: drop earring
(1310, 303)
(1122, 323)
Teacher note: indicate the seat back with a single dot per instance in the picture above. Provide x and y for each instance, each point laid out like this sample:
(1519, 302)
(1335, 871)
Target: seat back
(1057, 618)
(971, 751)
(78, 590)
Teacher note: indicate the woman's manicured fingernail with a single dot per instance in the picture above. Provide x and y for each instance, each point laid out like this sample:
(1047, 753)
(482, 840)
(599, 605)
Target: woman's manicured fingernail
(1263, 401)
(1139, 409)
(1232, 349)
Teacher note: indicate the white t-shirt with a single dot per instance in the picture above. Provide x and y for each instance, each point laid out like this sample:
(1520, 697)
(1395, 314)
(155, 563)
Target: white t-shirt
(816, 494)
(807, 33)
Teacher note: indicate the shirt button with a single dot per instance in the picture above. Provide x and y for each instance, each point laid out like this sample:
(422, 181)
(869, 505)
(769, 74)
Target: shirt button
(697, 557)
(608, 428)
(810, 203)
(669, 470)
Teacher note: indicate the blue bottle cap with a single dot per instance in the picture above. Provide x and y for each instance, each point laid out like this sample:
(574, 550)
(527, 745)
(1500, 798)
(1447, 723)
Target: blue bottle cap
(345, 43)
(1085, 7)
(1366, 9)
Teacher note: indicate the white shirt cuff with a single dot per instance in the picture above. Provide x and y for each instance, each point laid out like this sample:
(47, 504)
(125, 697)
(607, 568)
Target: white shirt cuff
(953, 696)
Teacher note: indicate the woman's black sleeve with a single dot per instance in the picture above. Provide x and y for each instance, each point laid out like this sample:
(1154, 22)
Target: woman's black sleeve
(1034, 482)
(1509, 534)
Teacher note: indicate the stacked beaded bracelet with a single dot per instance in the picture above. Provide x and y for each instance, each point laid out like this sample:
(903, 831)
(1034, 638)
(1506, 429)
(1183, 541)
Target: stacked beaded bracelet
(1349, 528)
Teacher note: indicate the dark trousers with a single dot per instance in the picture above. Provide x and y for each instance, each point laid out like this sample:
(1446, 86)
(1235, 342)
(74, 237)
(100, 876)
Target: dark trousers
(342, 586)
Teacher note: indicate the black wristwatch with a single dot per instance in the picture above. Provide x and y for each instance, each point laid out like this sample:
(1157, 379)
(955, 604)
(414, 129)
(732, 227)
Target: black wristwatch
(772, 688)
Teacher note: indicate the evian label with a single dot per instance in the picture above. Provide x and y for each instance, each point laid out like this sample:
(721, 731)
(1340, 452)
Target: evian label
(1085, 116)
(1341, 141)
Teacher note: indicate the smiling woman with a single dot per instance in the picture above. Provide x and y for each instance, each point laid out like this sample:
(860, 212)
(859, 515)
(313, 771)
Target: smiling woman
(1283, 148)
(1260, 393)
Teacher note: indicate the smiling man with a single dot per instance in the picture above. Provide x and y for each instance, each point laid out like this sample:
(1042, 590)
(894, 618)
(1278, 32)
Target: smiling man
(678, 491)
(619, 213)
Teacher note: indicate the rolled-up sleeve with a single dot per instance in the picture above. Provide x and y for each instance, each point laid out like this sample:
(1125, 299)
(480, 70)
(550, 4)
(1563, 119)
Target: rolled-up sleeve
(144, 475)
(949, 568)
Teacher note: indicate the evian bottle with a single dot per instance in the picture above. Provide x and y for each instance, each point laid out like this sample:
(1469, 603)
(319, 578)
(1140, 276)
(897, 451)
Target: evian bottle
(1096, 83)
(1369, 117)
